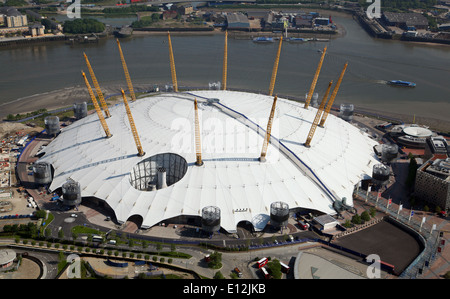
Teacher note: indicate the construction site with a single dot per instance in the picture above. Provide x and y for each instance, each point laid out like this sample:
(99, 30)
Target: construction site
(215, 159)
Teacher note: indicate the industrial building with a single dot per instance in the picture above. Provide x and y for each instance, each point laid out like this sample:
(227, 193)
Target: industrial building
(405, 20)
(237, 21)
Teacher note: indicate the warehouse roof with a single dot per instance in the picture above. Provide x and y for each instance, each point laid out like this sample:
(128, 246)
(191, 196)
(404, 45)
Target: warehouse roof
(232, 178)
(410, 19)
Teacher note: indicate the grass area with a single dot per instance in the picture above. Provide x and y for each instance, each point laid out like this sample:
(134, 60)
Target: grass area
(79, 229)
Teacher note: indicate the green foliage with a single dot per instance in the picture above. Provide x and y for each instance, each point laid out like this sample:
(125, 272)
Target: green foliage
(356, 219)
(365, 216)
(22, 116)
(215, 260)
(146, 21)
(347, 224)
(15, 3)
(412, 170)
(274, 268)
(82, 26)
(24, 230)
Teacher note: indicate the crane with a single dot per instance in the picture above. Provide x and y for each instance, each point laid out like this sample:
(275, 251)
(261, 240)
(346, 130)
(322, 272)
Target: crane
(198, 146)
(97, 87)
(333, 95)
(97, 107)
(172, 65)
(262, 158)
(133, 126)
(275, 68)
(314, 82)
(125, 70)
(225, 61)
(318, 115)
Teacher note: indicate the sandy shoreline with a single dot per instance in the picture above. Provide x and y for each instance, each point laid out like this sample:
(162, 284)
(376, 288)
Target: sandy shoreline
(68, 96)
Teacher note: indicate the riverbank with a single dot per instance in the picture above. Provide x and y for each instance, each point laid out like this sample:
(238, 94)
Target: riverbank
(66, 97)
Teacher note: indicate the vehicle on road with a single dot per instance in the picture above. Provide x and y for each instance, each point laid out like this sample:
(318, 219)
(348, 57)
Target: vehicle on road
(262, 262)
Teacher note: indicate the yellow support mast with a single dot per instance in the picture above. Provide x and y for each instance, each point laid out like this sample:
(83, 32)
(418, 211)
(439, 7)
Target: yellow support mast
(333, 96)
(97, 107)
(225, 62)
(318, 115)
(198, 145)
(262, 158)
(314, 82)
(172, 65)
(127, 74)
(97, 87)
(275, 68)
(133, 126)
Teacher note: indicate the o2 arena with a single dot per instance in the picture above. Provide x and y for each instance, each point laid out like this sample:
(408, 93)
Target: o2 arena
(189, 155)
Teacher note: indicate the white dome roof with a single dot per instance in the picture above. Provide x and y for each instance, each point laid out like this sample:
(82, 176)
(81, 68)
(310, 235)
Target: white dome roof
(231, 178)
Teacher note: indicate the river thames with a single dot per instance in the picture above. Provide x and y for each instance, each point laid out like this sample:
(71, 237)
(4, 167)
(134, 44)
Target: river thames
(41, 68)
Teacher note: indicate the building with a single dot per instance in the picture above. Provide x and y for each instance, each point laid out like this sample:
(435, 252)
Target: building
(185, 9)
(166, 185)
(12, 18)
(405, 20)
(444, 27)
(433, 182)
(411, 135)
(322, 21)
(237, 21)
(37, 30)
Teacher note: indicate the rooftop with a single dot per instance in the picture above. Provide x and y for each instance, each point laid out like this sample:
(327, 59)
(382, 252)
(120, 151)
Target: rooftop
(410, 19)
(232, 178)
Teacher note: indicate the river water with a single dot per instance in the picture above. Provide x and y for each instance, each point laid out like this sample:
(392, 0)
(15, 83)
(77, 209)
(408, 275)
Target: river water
(51, 66)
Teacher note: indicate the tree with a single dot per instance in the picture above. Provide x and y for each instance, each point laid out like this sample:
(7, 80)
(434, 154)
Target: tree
(218, 275)
(356, 219)
(365, 216)
(215, 260)
(412, 170)
(82, 26)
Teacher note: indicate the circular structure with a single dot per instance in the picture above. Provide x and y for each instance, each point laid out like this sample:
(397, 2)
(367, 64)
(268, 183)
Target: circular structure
(279, 213)
(314, 99)
(7, 257)
(211, 219)
(71, 193)
(52, 125)
(42, 173)
(346, 111)
(158, 172)
(389, 152)
(80, 110)
(232, 132)
(417, 132)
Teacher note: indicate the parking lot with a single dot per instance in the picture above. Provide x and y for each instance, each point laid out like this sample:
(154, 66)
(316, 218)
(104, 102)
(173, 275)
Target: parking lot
(394, 245)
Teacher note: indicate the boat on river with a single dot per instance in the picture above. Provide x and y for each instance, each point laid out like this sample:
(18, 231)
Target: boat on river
(401, 83)
(263, 39)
